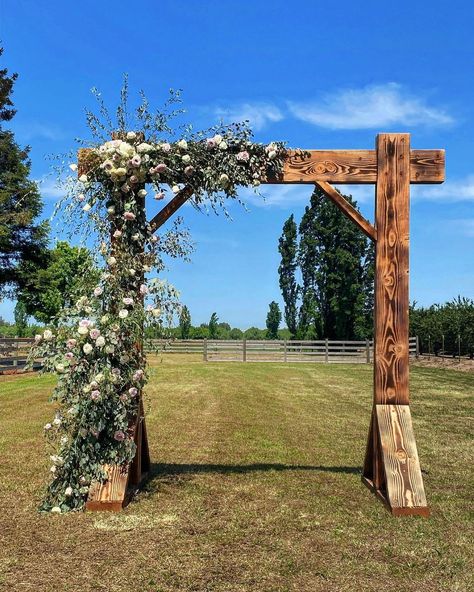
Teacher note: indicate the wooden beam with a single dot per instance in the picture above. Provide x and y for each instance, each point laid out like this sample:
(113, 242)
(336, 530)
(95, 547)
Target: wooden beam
(355, 166)
(170, 208)
(333, 166)
(348, 209)
(391, 270)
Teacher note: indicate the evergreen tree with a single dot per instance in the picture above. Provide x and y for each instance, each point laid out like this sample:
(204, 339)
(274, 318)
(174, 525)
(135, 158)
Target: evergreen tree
(336, 271)
(273, 320)
(48, 288)
(213, 326)
(288, 246)
(21, 319)
(21, 237)
(185, 323)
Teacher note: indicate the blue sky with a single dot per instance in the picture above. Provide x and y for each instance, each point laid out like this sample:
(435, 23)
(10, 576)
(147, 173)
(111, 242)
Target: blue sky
(312, 74)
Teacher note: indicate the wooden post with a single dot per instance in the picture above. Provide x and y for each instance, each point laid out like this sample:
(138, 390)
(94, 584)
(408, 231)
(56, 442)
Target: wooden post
(205, 350)
(285, 351)
(326, 350)
(367, 351)
(417, 354)
(391, 467)
(244, 350)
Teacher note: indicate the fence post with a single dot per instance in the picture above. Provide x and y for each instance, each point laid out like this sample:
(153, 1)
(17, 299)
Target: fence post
(367, 351)
(285, 353)
(326, 351)
(429, 346)
(417, 351)
(244, 350)
(204, 350)
(442, 344)
(459, 347)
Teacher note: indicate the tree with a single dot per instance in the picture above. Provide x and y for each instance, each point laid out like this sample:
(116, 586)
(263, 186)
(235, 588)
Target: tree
(47, 289)
(335, 263)
(288, 248)
(184, 322)
(21, 238)
(273, 320)
(213, 326)
(21, 319)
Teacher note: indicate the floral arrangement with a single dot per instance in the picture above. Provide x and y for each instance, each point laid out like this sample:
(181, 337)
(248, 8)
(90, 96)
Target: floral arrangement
(96, 348)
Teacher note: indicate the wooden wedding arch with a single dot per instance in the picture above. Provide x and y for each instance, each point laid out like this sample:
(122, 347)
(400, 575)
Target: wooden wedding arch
(391, 468)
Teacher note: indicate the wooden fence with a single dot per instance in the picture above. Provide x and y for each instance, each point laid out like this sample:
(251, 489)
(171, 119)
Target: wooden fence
(293, 351)
(14, 351)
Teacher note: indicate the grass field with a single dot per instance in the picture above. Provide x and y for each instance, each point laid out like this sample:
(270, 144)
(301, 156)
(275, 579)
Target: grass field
(255, 487)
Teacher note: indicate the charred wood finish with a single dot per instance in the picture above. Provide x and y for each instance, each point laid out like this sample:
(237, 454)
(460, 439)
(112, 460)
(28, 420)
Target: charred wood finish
(391, 270)
(348, 209)
(355, 166)
(171, 207)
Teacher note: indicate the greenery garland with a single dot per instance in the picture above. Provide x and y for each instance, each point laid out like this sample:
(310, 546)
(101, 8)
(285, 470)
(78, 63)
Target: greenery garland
(94, 347)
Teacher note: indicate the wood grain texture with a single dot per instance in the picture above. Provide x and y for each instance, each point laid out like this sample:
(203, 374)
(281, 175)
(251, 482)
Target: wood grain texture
(391, 270)
(333, 166)
(403, 480)
(170, 208)
(355, 166)
(348, 209)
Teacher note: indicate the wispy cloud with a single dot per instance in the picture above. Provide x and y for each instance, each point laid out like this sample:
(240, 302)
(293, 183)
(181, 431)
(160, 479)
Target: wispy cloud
(452, 191)
(49, 189)
(36, 130)
(282, 196)
(258, 114)
(375, 106)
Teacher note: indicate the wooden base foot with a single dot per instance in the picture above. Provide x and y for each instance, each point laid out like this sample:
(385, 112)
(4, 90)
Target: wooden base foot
(122, 481)
(392, 469)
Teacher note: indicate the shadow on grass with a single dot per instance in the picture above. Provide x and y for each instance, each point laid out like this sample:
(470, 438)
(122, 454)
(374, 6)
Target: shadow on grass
(162, 472)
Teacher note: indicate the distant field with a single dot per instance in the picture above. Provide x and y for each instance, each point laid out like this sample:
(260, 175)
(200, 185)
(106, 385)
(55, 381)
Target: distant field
(255, 487)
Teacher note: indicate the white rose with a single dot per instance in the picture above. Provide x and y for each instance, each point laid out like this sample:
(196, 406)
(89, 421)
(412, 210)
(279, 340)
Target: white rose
(87, 348)
(99, 377)
(123, 314)
(73, 167)
(47, 335)
(56, 510)
(86, 208)
(142, 193)
(217, 139)
(272, 154)
(165, 147)
(126, 149)
(111, 210)
(183, 144)
(38, 338)
(223, 146)
(131, 272)
(83, 179)
(156, 312)
(144, 147)
(109, 349)
(68, 491)
(100, 341)
(83, 330)
(48, 426)
(175, 189)
(186, 158)
(131, 135)
(57, 421)
(59, 367)
(111, 261)
(224, 180)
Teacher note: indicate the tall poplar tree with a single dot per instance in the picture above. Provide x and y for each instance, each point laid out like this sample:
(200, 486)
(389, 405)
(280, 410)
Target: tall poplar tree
(288, 248)
(273, 320)
(22, 238)
(334, 257)
(184, 322)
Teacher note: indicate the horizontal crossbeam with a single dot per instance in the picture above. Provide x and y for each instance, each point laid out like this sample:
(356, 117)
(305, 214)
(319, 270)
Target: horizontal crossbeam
(355, 167)
(334, 166)
(170, 208)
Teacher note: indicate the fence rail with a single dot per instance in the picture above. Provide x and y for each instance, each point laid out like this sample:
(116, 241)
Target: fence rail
(14, 351)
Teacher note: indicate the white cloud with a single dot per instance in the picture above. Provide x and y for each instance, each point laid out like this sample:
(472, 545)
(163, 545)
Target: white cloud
(34, 130)
(277, 195)
(258, 114)
(375, 106)
(49, 189)
(450, 191)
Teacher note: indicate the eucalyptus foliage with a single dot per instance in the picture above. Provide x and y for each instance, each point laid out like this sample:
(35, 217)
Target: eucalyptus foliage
(96, 346)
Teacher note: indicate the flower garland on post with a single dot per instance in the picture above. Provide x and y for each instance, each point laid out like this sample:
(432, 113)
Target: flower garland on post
(101, 371)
